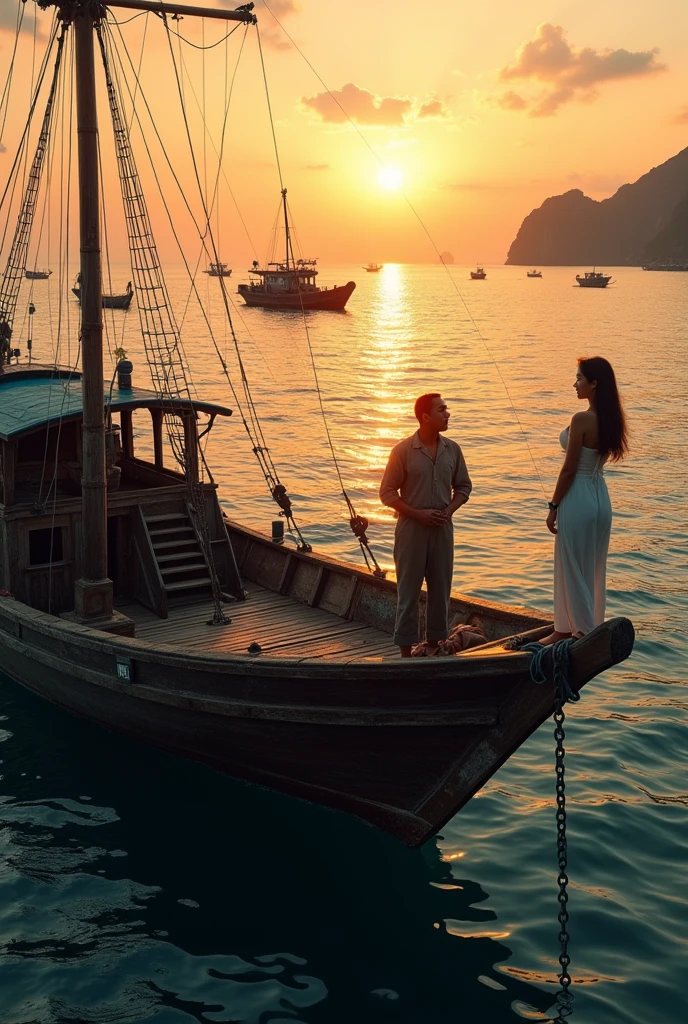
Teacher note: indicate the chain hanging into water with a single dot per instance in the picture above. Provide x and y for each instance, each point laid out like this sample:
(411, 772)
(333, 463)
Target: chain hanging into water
(561, 655)
(359, 524)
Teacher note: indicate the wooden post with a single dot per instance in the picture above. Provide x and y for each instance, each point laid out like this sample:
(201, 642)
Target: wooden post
(93, 592)
(127, 434)
(9, 463)
(191, 443)
(157, 418)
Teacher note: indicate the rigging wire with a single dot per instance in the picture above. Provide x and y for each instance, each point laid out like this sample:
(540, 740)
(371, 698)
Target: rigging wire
(430, 239)
(359, 524)
(260, 448)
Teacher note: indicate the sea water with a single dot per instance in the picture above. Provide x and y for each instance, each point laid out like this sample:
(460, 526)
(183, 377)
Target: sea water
(135, 886)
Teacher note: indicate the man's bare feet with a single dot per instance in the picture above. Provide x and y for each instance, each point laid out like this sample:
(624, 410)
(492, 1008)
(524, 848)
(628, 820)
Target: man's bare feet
(553, 638)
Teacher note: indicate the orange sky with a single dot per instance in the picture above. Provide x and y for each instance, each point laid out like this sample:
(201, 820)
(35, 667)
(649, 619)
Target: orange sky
(483, 110)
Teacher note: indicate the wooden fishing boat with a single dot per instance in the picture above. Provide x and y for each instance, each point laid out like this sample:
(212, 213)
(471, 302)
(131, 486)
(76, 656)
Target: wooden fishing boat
(37, 275)
(534, 273)
(122, 301)
(111, 563)
(593, 279)
(291, 284)
(373, 268)
(478, 274)
(218, 270)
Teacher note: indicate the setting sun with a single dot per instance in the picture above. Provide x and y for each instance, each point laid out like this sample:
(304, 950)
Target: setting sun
(390, 178)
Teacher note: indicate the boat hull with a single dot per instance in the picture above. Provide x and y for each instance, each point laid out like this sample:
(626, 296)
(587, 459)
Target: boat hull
(329, 298)
(593, 282)
(367, 736)
(111, 301)
(37, 275)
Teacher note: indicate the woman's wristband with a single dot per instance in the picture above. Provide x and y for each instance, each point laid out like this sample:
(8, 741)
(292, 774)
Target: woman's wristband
(552, 506)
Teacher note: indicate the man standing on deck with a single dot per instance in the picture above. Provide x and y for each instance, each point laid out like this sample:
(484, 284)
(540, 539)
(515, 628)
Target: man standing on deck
(425, 481)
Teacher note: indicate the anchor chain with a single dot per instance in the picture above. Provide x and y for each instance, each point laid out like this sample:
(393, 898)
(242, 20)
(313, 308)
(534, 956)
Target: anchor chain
(563, 692)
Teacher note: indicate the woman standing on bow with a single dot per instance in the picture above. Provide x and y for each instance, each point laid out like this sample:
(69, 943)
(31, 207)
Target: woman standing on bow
(580, 512)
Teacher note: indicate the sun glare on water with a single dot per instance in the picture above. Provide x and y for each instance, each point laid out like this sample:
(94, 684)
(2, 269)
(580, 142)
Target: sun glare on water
(390, 178)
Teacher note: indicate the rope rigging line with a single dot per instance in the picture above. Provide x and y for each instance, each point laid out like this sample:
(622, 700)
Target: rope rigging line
(260, 449)
(359, 524)
(23, 142)
(430, 239)
(162, 342)
(5, 99)
(17, 258)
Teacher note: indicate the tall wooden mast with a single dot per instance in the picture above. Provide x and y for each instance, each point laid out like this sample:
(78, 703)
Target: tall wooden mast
(93, 592)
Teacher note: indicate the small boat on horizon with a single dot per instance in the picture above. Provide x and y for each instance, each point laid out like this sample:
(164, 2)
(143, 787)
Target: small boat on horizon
(534, 273)
(291, 284)
(373, 268)
(122, 301)
(218, 270)
(37, 275)
(667, 266)
(593, 279)
(478, 274)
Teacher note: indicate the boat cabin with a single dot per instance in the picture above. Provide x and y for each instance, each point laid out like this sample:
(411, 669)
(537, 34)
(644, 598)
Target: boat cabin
(278, 278)
(152, 547)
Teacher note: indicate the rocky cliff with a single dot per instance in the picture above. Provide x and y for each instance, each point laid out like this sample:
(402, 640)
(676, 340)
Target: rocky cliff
(574, 230)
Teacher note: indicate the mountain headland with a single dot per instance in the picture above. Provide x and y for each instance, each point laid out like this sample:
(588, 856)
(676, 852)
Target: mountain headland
(642, 222)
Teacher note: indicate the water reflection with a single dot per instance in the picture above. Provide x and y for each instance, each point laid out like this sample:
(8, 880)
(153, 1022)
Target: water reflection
(135, 881)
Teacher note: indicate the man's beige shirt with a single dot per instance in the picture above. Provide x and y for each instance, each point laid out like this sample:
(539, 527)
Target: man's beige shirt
(412, 475)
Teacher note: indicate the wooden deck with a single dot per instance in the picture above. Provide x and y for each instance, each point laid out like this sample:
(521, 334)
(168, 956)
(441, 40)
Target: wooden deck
(280, 625)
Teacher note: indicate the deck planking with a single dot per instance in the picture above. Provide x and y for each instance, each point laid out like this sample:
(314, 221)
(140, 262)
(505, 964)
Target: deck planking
(276, 622)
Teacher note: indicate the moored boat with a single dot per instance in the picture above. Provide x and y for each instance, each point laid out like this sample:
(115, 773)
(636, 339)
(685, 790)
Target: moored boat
(373, 268)
(593, 279)
(122, 301)
(534, 273)
(218, 270)
(114, 570)
(37, 275)
(478, 274)
(291, 284)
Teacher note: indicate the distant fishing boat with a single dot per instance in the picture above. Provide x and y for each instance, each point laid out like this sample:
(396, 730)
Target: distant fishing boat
(291, 284)
(534, 273)
(373, 268)
(667, 266)
(593, 279)
(478, 274)
(218, 270)
(37, 275)
(122, 301)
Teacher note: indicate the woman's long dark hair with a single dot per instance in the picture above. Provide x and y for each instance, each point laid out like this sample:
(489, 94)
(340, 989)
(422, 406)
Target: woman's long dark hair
(611, 422)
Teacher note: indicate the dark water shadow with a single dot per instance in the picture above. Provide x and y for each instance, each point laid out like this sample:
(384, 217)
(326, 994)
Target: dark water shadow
(262, 877)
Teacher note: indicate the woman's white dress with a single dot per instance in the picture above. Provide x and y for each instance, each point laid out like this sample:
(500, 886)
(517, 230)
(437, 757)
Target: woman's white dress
(584, 522)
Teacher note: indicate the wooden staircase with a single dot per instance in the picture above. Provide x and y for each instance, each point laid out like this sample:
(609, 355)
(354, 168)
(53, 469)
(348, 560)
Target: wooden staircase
(168, 559)
(178, 553)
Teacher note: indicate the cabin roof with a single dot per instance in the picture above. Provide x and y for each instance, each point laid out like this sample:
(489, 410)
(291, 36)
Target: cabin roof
(30, 400)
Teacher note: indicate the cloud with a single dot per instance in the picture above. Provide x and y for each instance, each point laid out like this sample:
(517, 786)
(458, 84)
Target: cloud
(511, 101)
(317, 167)
(681, 117)
(433, 108)
(270, 32)
(569, 73)
(361, 106)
